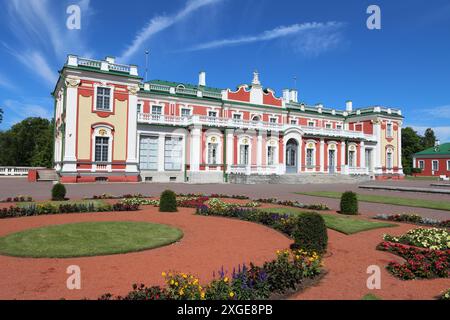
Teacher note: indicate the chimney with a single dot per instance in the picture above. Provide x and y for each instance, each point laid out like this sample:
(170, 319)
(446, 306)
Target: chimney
(202, 78)
(111, 60)
(286, 95)
(293, 95)
(349, 106)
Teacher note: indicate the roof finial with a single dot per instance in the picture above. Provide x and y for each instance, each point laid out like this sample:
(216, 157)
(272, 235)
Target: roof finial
(256, 78)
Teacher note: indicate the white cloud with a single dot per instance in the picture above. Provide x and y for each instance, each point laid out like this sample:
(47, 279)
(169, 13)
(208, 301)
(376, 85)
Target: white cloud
(43, 41)
(6, 83)
(309, 31)
(160, 23)
(442, 112)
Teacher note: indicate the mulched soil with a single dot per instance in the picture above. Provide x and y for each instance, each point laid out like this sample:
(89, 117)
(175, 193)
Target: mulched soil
(208, 244)
(347, 260)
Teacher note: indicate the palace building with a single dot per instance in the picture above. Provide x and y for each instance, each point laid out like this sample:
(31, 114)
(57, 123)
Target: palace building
(112, 126)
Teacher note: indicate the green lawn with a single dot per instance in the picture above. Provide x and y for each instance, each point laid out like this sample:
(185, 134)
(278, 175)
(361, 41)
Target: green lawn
(420, 178)
(97, 203)
(88, 239)
(371, 296)
(409, 202)
(343, 224)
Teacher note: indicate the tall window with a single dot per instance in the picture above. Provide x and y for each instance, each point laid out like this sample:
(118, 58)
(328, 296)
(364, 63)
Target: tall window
(101, 149)
(103, 98)
(148, 153)
(185, 112)
(139, 107)
(351, 158)
(173, 153)
(389, 130)
(309, 158)
(389, 159)
(448, 165)
(212, 153)
(157, 110)
(435, 165)
(244, 154)
(271, 155)
(421, 164)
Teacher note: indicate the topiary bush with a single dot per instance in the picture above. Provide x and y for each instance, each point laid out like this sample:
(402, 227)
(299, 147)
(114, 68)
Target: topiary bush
(349, 203)
(310, 233)
(168, 201)
(58, 192)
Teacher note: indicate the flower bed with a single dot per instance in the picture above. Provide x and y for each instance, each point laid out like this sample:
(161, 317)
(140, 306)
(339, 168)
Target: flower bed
(213, 195)
(445, 295)
(280, 275)
(19, 198)
(415, 219)
(48, 208)
(110, 196)
(434, 238)
(420, 263)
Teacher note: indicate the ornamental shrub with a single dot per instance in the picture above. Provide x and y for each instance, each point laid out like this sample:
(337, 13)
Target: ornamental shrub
(58, 192)
(168, 201)
(310, 233)
(349, 203)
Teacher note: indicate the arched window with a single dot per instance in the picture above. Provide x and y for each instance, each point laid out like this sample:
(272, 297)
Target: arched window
(102, 141)
(213, 150)
(272, 154)
(389, 158)
(244, 151)
(352, 155)
(310, 155)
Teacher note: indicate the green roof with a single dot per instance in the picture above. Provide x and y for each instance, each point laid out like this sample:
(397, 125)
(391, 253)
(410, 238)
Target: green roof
(443, 149)
(186, 85)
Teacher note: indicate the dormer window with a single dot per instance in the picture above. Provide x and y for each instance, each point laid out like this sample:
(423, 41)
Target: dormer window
(103, 99)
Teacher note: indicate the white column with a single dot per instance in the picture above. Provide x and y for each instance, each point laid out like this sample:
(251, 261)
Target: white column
(132, 131)
(343, 155)
(322, 155)
(300, 152)
(362, 156)
(71, 125)
(259, 151)
(399, 144)
(161, 146)
(230, 148)
(195, 149)
(378, 152)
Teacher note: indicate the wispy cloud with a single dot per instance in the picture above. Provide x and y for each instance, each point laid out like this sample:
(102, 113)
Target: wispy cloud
(17, 110)
(160, 23)
(310, 31)
(6, 83)
(442, 112)
(42, 37)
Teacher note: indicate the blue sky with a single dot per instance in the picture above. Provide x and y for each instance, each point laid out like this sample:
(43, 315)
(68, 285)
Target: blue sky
(325, 44)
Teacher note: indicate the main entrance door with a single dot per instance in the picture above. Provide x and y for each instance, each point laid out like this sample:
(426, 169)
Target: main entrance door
(291, 156)
(331, 161)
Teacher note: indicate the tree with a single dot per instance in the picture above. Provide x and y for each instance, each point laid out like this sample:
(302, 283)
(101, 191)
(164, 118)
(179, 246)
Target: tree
(27, 143)
(1, 115)
(429, 139)
(411, 143)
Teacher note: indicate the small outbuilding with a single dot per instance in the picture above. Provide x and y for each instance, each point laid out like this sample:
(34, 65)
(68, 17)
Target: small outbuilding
(433, 161)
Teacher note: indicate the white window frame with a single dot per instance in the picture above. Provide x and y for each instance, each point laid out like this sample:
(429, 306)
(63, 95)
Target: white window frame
(273, 118)
(111, 97)
(389, 130)
(240, 114)
(390, 152)
(293, 121)
(218, 141)
(249, 144)
(328, 125)
(159, 106)
(274, 144)
(139, 107)
(186, 108)
(448, 165)
(110, 136)
(182, 143)
(213, 111)
(339, 126)
(140, 136)
(421, 164)
(352, 148)
(432, 165)
(311, 122)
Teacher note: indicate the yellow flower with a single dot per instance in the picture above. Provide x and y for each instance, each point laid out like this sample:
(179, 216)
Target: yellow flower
(172, 282)
(163, 274)
(184, 276)
(225, 279)
(181, 292)
(176, 284)
(231, 294)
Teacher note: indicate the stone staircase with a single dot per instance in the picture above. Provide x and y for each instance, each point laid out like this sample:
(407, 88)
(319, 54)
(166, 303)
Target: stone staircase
(304, 178)
(47, 175)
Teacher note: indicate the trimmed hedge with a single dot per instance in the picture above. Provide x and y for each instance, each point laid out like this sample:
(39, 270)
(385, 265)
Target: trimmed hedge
(168, 201)
(310, 233)
(58, 192)
(349, 203)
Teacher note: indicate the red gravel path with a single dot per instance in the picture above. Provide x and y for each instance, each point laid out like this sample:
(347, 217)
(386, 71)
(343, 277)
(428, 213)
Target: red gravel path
(347, 260)
(208, 243)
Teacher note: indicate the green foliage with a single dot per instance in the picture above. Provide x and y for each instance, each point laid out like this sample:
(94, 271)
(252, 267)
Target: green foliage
(412, 142)
(349, 203)
(1, 115)
(429, 139)
(58, 192)
(310, 233)
(168, 201)
(28, 143)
